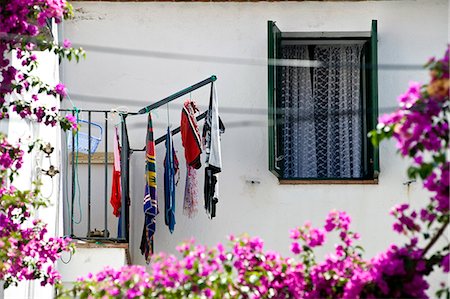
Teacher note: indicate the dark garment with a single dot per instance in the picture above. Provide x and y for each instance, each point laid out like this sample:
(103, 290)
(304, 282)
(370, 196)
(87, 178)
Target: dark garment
(123, 230)
(210, 189)
(212, 130)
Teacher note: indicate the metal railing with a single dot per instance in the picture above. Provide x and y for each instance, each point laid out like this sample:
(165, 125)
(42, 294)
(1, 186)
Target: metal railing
(123, 224)
(80, 177)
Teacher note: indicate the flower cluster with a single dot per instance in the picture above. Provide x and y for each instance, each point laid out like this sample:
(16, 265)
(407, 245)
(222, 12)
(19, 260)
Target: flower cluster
(421, 128)
(27, 252)
(262, 274)
(313, 237)
(10, 156)
(399, 273)
(245, 270)
(405, 223)
(15, 15)
(110, 283)
(23, 28)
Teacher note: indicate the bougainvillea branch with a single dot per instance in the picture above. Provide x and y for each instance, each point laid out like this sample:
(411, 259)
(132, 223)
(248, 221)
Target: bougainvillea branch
(435, 238)
(27, 252)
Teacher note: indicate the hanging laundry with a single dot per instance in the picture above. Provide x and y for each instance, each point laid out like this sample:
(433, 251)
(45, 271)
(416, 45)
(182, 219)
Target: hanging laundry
(190, 202)
(150, 200)
(124, 180)
(190, 134)
(116, 194)
(191, 140)
(170, 170)
(212, 130)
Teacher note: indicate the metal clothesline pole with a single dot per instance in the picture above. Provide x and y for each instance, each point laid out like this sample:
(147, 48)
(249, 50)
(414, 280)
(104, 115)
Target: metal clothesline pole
(177, 95)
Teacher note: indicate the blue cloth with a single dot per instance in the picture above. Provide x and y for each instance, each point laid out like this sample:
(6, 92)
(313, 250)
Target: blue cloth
(170, 169)
(119, 228)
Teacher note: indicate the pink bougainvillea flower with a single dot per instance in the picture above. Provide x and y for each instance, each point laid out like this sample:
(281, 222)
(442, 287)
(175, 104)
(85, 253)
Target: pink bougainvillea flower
(445, 263)
(61, 89)
(295, 248)
(67, 43)
(72, 120)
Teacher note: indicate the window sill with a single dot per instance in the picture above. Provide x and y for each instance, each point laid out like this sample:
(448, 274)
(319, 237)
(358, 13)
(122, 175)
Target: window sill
(328, 182)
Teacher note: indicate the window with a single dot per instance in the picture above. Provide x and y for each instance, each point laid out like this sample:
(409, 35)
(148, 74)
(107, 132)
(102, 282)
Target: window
(319, 116)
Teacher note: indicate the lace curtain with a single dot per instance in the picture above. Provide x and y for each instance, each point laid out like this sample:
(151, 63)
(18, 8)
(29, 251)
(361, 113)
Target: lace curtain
(321, 119)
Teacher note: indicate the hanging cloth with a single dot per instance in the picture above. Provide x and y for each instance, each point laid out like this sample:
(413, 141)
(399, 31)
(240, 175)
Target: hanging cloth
(190, 134)
(124, 181)
(190, 202)
(116, 194)
(150, 200)
(191, 140)
(212, 130)
(170, 170)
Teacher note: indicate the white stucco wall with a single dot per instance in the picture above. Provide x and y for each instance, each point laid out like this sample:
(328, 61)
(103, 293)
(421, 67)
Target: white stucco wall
(90, 260)
(409, 32)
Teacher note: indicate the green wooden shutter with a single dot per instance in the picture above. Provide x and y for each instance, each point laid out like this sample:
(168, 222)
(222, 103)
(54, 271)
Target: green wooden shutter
(273, 40)
(374, 92)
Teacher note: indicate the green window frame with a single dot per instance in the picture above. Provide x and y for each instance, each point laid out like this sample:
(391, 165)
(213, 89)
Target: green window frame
(370, 100)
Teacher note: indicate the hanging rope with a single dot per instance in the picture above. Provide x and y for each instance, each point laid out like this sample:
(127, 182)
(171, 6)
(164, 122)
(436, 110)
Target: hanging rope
(76, 188)
(77, 195)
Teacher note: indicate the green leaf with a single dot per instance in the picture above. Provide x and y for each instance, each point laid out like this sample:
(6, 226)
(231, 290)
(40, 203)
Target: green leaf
(439, 158)
(359, 247)
(425, 170)
(412, 172)
(373, 135)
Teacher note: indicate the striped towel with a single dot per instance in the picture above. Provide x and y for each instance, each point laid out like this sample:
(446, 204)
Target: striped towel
(150, 197)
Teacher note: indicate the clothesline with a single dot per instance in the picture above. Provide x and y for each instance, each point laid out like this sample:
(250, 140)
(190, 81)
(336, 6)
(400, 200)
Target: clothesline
(177, 95)
(172, 97)
(192, 141)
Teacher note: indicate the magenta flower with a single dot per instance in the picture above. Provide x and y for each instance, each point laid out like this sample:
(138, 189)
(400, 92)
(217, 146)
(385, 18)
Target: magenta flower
(294, 234)
(445, 263)
(295, 248)
(61, 89)
(209, 293)
(67, 44)
(72, 120)
(316, 237)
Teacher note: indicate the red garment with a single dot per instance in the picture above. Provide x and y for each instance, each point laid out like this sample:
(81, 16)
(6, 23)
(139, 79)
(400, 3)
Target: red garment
(116, 193)
(190, 135)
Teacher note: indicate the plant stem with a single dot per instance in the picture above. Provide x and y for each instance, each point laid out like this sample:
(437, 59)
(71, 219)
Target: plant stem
(435, 238)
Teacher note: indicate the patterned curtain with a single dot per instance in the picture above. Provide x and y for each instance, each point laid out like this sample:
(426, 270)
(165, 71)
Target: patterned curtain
(321, 119)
